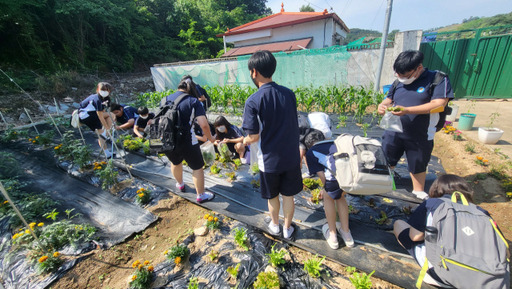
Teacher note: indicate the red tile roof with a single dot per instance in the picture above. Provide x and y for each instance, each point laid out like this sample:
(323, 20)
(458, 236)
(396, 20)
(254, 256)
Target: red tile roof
(283, 19)
(272, 47)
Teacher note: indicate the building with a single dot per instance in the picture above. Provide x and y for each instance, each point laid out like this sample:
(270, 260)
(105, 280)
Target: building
(286, 31)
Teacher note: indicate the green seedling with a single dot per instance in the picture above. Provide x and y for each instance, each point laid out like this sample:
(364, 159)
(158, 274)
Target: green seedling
(276, 257)
(313, 267)
(241, 239)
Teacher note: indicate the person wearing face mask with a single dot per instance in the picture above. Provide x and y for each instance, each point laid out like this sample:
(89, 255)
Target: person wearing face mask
(142, 121)
(232, 136)
(419, 114)
(92, 114)
(270, 120)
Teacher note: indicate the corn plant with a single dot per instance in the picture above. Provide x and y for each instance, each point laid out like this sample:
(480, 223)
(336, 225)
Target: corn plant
(152, 99)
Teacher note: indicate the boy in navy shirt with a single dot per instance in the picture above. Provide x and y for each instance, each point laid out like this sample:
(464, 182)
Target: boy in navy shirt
(142, 121)
(419, 115)
(270, 120)
(125, 115)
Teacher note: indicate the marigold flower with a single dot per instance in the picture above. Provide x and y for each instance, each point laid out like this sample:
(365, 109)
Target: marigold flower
(210, 219)
(27, 231)
(42, 259)
(134, 277)
(141, 195)
(479, 158)
(33, 224)
(56, 254)
(56, 148)
(140, 266)
(151, 268)
(37, 137)
(165, 252)
(135, 264)
(40, 224)
(99, 168)
(485, 161)
(33, 141)
(215, 219)
(15, 236)
(146, 263)
(6, 202)
(29, 139)
(509, 194)
(177, 260)
(206, 216)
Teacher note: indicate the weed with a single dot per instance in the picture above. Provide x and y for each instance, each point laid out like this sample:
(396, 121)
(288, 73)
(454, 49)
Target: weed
(237, 163)
(480, 176)
(470, 148)
(51, 215)
(255, 169)
(350, 269)
(193, 283)
(365, 127)
(276, 257)
(267, 280)
(312, 266)
(241, 238)
(143, 275)
(361, 281)
(342, 121)
(233, 271)
(225, 153)
(255, 183)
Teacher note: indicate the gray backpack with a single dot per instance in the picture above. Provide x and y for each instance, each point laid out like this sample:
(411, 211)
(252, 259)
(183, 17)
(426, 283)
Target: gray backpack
(464, 246)
(361, 167)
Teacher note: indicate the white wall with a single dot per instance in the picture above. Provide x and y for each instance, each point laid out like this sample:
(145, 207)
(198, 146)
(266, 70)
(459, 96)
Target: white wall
(315, 29)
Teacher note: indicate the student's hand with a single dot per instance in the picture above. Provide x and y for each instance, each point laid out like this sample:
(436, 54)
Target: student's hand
(402, 111)
(382, 108)
(226, 140)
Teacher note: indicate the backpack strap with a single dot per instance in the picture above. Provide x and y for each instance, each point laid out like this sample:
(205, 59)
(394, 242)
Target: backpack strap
(392, 89)
(423, 271)
(462, 198)
(438, 78)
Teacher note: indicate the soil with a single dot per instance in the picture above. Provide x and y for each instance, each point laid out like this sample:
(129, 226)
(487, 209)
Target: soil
(111, 268)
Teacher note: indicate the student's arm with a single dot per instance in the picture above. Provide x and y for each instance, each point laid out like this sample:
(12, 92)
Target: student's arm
(101, 116)
(252, 138)
(384, 105)
(137, 132)
(415, 235)
(127, 124)
(233, 140)
(434, 106)
(203, 123)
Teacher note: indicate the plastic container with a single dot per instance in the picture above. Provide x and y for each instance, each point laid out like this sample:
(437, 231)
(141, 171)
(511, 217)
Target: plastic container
(385, 88)
(466, 121)
(208, 152)
(453, 116)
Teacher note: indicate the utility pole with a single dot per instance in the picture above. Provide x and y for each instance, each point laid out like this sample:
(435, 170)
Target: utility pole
(383, 45)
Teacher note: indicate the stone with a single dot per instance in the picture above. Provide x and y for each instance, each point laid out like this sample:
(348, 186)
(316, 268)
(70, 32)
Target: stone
(75, 105)
(63, 107)
(52, 109)
(201, 231)
(24, 118)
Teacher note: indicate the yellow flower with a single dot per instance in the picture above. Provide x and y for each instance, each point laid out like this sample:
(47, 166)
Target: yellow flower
(215, 219)
(42, 259)
(479, 158)
(37, 137)
(165, 252)
(135, 264)
(206, 216)
(56, 254)
(150, 268)
(210, 219)
(485, 161)
(33, 141)
(146, 263)
(56, 148)
(29, 139)
(27, 231)
(6, 202)
(141, 195)
(15, 236)
(40, 224)
(98, 168)
(140, 266)
(134, 277)
(32, 225)
(177, 260)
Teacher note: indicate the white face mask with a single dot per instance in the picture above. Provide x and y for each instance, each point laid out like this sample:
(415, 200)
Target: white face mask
(407, 81)
(222, 129)
(143, 117)
(104, 93)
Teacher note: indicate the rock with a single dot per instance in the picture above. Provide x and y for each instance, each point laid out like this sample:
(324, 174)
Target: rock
(52, 109)
(201, 231)
(24, 118)
(63, 107)
(75, 105)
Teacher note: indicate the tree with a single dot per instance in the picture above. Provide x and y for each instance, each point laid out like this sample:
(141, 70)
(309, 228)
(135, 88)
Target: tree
(306, 8)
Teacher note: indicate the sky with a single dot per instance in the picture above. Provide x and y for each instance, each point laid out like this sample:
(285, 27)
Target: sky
(405, 15)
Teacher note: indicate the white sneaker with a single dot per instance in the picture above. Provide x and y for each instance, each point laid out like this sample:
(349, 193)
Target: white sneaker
(327, 234)
(346, 236)
(243, 161)
(205, 197)
(104, 135)
(420, 195)
(273, 229)
(287, 233)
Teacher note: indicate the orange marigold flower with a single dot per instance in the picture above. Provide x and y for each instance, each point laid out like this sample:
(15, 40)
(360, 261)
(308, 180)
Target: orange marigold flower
(485, 161)
(146, 263)
(215, 219)
(177, 260)
(40, 224)
(140, 266)
(135, 264)
(42, 259)
(134, 277)
(479, 158)
(210, 219)
(206, 216)
(56, 254)
(6, 202)
(151, 268)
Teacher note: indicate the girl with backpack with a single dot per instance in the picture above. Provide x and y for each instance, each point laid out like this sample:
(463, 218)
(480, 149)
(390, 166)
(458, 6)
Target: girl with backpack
(441, 228)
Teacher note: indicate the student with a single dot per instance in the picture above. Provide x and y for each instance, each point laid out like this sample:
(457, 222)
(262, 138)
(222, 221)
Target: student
(201, 138)
(411, 234)
(230, 134)
(201, 94)
(142, 121)
(190, 109)
(125, 115)
(270, 120)
(320, 162)
(92, 114)
(419, 116)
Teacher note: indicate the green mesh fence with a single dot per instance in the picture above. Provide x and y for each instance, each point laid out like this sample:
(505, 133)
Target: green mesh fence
(314, 67)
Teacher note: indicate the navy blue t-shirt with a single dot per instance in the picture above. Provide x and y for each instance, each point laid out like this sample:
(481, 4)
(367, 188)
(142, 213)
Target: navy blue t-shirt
(272, 112)
(190, 108)
(420, 126)
(320, 159)
(93, 102)
(128, 113)
(141, 123)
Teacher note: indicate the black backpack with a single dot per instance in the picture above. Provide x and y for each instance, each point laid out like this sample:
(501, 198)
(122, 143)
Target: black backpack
(166, 132)
(440, 76)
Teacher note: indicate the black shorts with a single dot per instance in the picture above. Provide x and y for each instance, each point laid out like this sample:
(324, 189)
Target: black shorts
(333, 190)
(93, 121)
(418, 152)
(191, 154)
(288, 183)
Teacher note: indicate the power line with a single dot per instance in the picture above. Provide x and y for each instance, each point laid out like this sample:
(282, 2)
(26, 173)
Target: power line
(376, 14)
(309, 3)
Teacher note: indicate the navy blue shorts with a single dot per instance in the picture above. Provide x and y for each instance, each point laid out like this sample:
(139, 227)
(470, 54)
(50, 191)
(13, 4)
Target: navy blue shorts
(288, 183)
(417, 152)
(92, 121)
(191, 154)
(333, 189)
